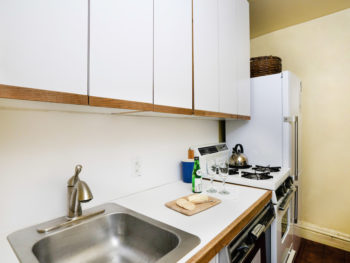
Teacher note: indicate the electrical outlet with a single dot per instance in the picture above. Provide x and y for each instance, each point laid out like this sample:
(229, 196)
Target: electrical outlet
(137, 167)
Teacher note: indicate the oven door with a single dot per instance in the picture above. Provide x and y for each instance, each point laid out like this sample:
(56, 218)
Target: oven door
(285, 227)
(260, 252)
(253, 244)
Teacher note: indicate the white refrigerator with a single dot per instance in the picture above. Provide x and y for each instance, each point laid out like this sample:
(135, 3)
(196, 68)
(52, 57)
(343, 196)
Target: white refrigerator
(273, 135)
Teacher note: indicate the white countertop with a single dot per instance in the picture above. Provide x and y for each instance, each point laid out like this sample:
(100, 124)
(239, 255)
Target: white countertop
(206, 225)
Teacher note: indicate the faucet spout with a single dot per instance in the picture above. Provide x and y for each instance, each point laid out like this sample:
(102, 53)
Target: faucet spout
(78, 192)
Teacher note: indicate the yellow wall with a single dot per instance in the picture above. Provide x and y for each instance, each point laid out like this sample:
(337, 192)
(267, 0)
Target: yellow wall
(318, 51)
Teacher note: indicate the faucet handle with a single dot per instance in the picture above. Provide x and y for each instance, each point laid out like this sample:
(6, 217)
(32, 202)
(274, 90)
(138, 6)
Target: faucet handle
(72, 181)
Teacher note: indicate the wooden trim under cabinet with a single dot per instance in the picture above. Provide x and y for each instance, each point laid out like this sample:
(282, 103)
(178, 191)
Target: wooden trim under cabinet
(172, 110)
(224, 238)
(243, 117)
(214, 114)
(120, 104)
(21, 93)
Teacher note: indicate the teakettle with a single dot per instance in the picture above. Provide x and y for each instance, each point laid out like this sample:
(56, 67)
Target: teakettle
(238, 158)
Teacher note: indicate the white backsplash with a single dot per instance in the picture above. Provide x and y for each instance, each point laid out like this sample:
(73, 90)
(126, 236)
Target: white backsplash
(38, 152)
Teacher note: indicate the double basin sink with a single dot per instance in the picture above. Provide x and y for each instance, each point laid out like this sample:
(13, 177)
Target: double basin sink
(117, 235)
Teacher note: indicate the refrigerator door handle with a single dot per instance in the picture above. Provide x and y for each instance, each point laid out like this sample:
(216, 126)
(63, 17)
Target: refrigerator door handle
(296, 141)
(294, 121)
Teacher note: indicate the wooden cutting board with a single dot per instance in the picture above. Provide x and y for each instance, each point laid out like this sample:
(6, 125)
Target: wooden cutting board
(199, 207)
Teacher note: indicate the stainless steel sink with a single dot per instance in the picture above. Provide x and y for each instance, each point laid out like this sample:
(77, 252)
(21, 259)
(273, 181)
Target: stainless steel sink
(117, 235)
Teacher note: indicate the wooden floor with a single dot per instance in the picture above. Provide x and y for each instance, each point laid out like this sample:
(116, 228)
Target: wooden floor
(312, 252)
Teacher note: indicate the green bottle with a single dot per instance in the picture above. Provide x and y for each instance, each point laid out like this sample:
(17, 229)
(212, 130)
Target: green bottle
(196, 177)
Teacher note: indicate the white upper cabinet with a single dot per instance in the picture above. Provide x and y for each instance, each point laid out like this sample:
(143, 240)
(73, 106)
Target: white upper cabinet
(243, 56)
(121, 49)
(131, 50)
(221, 56)
(173, 53)
(228, 57)
(206, 55)
(44, 44)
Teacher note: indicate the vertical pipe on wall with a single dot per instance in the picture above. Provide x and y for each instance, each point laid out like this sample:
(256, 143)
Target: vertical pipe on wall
(222, 131)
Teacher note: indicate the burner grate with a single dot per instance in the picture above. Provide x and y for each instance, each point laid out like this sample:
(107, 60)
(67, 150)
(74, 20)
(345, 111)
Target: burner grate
(232, 171)
(257, 176)
(240, 167)
(270, 169)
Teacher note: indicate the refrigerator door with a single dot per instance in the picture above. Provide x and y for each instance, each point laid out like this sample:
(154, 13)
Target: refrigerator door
(291, 87)
(261, 136)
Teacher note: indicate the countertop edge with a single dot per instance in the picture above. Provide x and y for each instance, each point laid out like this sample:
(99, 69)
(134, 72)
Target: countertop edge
(206, 253)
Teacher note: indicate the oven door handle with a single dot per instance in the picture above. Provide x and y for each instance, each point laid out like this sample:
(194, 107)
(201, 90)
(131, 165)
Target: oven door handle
(257, 231)
(285, 203)
(246, 254)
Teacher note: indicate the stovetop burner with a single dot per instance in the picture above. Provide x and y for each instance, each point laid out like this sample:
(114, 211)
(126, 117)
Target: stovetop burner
(257, 176)
(240, 167)
(260, 168)
(232, 171)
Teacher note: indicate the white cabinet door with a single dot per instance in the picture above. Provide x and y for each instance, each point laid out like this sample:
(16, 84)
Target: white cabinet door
(227, 57)
(173, 53)
(206, 55)
(243, 56)
(44, 44)
(121, 49)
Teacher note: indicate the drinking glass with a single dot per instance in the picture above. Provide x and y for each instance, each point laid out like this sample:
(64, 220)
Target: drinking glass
(211, 171)
(223, 166)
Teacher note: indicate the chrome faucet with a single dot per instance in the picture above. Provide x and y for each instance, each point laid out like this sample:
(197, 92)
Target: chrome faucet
(78, 192)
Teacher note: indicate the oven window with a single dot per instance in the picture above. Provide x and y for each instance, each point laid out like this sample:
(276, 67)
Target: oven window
(285, 224)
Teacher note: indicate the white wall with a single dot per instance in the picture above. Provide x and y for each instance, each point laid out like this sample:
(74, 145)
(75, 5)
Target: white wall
(38, 152)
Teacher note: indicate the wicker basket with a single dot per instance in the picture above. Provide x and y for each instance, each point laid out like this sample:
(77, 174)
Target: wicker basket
(267, 65)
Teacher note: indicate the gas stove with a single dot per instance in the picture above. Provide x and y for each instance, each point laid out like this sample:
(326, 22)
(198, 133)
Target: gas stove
(251, 177)
(274, 178)
(265, 177)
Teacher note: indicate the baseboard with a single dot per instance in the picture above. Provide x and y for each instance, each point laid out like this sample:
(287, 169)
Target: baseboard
(323, 235)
